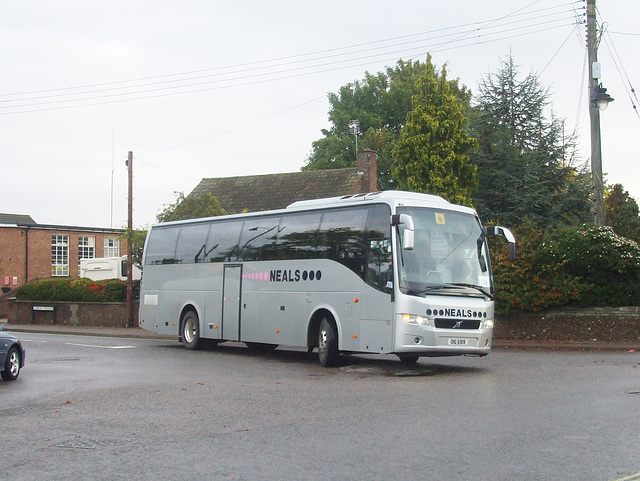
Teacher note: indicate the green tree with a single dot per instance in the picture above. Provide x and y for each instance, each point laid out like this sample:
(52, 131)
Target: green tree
(191, 207)
(433, 153)
(138, 237)
(622, 213)
(380, 104)
(525, 163)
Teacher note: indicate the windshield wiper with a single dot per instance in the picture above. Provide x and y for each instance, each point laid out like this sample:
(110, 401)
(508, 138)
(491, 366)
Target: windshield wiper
(436, 287)
(453, 285)
(472, 286)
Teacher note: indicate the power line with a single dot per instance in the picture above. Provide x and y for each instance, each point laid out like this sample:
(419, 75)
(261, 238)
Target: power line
(617, 61)
(238, 127)
(290, 59)
(251, 74)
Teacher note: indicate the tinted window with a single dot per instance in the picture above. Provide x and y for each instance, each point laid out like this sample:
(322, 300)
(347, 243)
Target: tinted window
(161, 247)
(298, 235)
(379, 270)
(258, 239)
(341, 237)
(192, 243)
(222, 243)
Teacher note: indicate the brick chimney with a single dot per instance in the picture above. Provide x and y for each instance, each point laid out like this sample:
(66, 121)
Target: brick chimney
(368, 166)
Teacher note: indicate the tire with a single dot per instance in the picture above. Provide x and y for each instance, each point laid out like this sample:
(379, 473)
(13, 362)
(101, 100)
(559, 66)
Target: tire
(190, 331)
(328, 353)
(408, 360)
(11, 365)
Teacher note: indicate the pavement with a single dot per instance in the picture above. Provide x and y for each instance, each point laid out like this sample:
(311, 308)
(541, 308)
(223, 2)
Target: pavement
(136, 332)
(124, 332)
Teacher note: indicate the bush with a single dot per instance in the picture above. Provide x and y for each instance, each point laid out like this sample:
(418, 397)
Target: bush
(76, 290)
(609, 264)
(531, 283)
(582, 266)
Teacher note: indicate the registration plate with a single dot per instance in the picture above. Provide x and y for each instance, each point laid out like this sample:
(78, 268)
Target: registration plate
(458, 341)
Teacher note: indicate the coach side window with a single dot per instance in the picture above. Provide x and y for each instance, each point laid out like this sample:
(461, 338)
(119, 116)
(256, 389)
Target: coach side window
(379, 271)
(161, 248)
(192, 244)
(222, 243)
(258, 239)
(341, 237)
(298, 235)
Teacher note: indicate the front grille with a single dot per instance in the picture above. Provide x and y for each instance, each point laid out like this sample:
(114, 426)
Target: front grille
(441, 323)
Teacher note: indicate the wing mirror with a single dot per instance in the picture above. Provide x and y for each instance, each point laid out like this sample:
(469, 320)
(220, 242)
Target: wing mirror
(408, 239)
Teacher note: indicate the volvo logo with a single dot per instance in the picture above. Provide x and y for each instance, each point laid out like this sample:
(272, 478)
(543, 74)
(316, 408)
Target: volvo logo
(458, 325)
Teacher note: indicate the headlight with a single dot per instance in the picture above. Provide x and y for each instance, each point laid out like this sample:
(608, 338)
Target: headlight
(411, 319)
(488, 324)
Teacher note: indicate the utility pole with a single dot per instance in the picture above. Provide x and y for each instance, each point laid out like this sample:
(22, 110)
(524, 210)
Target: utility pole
(594, 115)
(130, 319)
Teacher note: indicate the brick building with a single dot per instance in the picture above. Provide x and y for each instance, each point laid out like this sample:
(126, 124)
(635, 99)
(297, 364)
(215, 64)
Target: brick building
(29, 250)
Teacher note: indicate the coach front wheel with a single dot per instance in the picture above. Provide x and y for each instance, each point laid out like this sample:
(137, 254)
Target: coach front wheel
(328, 353)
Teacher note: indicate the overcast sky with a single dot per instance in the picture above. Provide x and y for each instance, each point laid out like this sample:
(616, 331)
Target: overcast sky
(214, 89)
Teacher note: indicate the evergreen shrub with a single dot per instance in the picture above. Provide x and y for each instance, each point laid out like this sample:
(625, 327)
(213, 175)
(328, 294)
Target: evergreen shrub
(579, 266)
(76, 290)
(608, 263)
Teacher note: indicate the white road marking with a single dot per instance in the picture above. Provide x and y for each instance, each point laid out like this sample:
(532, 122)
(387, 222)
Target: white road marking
(99, 347)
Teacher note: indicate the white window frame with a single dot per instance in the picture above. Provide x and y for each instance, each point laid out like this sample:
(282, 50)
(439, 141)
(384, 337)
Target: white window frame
(111, 247)
(59, 255)
(86, 249)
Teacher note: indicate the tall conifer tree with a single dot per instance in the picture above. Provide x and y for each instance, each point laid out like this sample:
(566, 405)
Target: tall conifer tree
(433, 153)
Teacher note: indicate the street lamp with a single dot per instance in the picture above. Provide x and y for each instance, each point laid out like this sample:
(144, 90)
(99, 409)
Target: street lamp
(601, 98)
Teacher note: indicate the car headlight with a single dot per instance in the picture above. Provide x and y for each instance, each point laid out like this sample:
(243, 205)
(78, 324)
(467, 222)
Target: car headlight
(419, 320)
(488, 323)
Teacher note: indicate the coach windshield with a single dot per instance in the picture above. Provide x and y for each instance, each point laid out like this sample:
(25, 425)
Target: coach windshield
(449, 256)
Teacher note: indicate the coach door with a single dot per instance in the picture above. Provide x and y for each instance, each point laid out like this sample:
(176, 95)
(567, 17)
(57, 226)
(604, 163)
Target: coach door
(231, 303)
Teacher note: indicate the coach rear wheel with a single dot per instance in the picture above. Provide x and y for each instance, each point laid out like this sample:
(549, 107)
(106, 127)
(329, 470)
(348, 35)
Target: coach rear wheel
(328, 343)
(190, 330)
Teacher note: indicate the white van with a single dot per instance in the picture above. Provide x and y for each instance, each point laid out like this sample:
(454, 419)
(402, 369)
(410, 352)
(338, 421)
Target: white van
(101, 268)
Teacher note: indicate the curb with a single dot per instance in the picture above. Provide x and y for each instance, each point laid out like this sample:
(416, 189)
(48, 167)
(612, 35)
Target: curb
(123, 332)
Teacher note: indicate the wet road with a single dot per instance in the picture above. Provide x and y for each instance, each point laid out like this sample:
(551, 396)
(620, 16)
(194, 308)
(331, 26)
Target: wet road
(105, 408)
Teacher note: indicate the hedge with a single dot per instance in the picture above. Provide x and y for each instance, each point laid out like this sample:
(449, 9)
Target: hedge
(76, 290)
(584, 266)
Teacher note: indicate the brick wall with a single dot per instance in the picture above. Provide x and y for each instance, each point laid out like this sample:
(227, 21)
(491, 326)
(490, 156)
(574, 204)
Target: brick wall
(12, 256)
(602, 324)
(93, 314)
